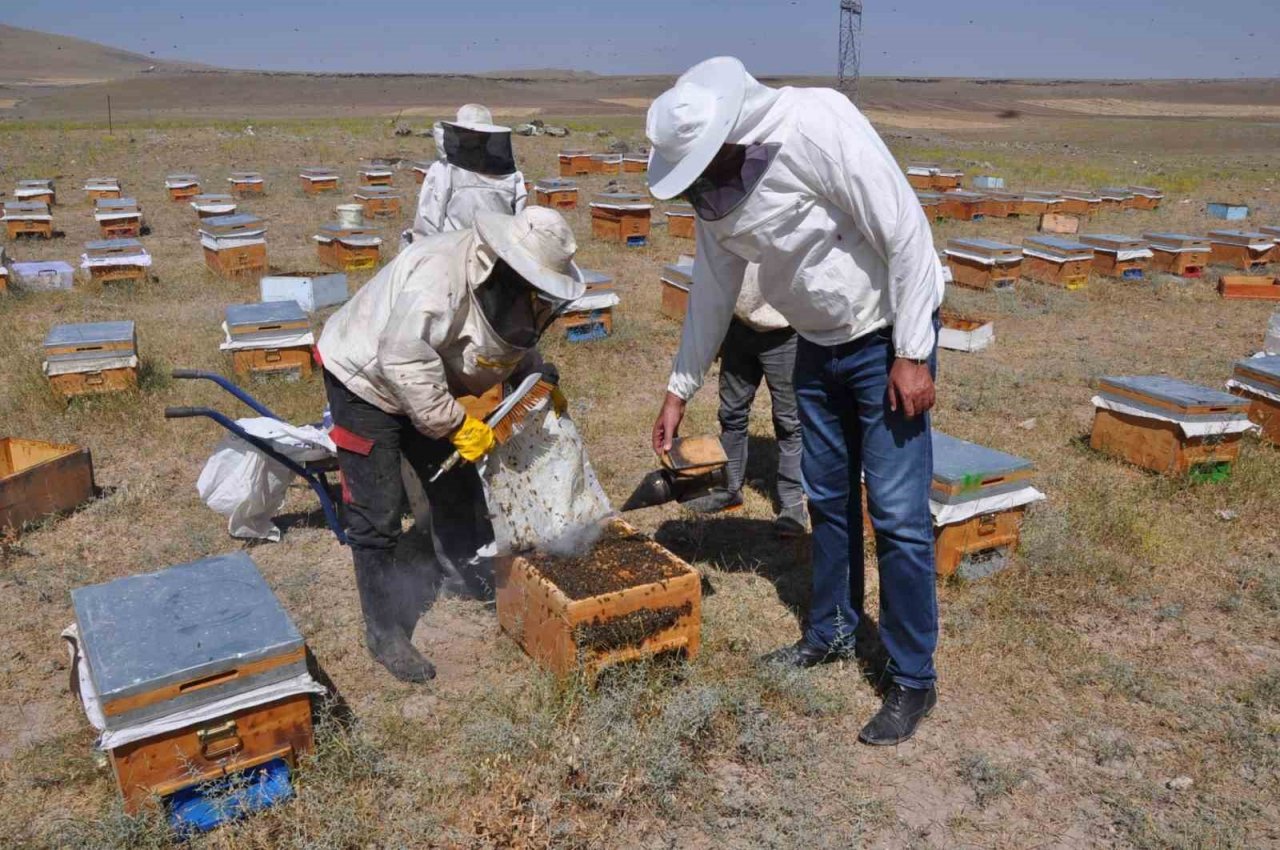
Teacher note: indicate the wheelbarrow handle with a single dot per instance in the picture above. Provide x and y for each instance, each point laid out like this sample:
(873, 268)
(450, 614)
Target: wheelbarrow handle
(185, 412)
(251, 402)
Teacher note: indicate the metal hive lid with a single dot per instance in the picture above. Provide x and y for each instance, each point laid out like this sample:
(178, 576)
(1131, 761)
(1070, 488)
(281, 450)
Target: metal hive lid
(1173, 391)
(1239, 237)
(183, 176)
(192, 620)
(957, 461)
(104, 204)
(224, 224)
(980, 244)
(1174, 239)
(929, 197)
(377, 192)
(574, 152)
(112, 182)
(1146, 191)
(1115, 192)
(212, 198)
(607, 157)
(375, 166)
(29, 207)
(89, 333)
(114, 246)
(964, 195)
(246, 175)
(555, 184)
(35, 184)
(595, 278)
(317, 171)
(1265, 367)
(1082, 195)
(1057, 244)
(334, 228)
(1110, 241)
(267, 312)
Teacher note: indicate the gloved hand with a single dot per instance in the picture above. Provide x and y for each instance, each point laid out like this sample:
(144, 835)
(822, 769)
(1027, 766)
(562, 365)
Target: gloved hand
(550, 373)
(473, 439)
(559, 403)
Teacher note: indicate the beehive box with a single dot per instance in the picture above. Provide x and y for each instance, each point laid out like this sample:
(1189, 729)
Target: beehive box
(1272, 232)
(1075, 202)
(247, 183)
(28, 218)
(375, 174)
(348, 248)
(39, 479)
(1000, 204)
(1241, 287)
(556, 193)
(677, 279)
(920, 176)
(591, 316)
(36, 191)
(235, 246)
(962, 332)
(1056, 261)
(1115, 197)
(681, 223)
(114, 260)
(1227, 211)
(635, 163)
(311, 291)
(1246, 250)
(187, 644)
(100, 188)
(621, 217)
(606, 163)
(1169, 426)
(420, 168)
(118, 218)
(962, 205)
(1178, 253)
(182, 187)
(946, 179)
(1145, 197)
(316, 179)
(271, 339)
(978, 498)
(628, 598)
(43, 276)
(209, 205)
(931, 203)
(1121, 257)
(575, 163)
(1257, 379)
(379, 200)
(91, 358)
(983, 263)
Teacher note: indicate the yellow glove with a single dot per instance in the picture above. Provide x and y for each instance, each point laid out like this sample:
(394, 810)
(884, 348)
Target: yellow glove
(473, 439)
(559, 403)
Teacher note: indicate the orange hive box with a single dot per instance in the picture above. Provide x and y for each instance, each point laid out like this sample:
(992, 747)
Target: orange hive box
(114, 260)
(247, 183)
(677, 278)
(1178, 254)
(1116, 198)
(557, 193)
(315, 179)
(39, 479)
(375, 174)
(235, 246)
(606, 163)
(1257, 379)
(272, 339)
(348, 248)
(210, 205)
(962, 205)
(1242, 287)
(99, 188)
(1056, 261)
(1121, 257)
(1145, 198)
(983, 263)
(91, 358)
(575, 163)
(591, 316)
(1075, 202)
(28, 218)
(999, 204)
(36, 191)
(379, 201)
(182, 187)
(118, 218)
(1244, 249)
(635, 163)
(681, 221)
(621, 217)
(931, 203)
(962, 332)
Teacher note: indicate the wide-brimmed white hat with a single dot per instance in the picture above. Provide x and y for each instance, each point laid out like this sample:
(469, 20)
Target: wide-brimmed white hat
(474, 113)
(538, 243)
(689, 122)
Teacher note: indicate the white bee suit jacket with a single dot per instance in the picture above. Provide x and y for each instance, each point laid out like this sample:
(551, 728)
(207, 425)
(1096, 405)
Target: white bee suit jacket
(451, 197)
(842, 243)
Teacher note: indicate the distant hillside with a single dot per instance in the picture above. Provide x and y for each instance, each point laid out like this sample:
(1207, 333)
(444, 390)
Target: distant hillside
(31, 57)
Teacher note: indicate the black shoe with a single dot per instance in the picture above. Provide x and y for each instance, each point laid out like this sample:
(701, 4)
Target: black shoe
(716, 501)
(380, 602)
(898, 717)
(792, 521)
(801, 654)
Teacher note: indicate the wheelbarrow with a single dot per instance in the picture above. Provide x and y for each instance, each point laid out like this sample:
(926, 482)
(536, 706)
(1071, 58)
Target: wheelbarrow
(315, 473)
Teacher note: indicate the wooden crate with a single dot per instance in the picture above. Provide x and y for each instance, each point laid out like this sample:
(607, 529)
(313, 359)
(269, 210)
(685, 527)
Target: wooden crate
(564, 635)
(338, 255)
(39, 479)
(293, 363)
(976, 536)
(1063, 225)
(1159, 446)
(28, 228)
(1249, 288)
(630, 227)
(76, 384)
(248, 262)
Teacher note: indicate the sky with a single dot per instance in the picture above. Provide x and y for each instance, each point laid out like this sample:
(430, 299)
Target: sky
(978, 38)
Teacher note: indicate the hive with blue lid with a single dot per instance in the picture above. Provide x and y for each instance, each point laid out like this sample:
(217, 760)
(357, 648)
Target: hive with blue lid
(1257, 380)
(116, 260)
(677, 279)
(348, 247)
(28, 218)
(1169, 426)
(983, 263)
(1246, 250)
(621, 217)
(99, 188)
(189, 674)
(91, 358)
(557, 193)
(118, 218)
(235, 246)
(380, 200)
(1056, 261)
(1178, 253)
(1117, 256)
(317, 178)
(182, 186)
(272, 339)
(247, 183)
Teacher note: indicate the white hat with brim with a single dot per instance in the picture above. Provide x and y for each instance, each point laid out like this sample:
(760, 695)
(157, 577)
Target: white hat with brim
(689, 123)
(539, 245)
(479, 128)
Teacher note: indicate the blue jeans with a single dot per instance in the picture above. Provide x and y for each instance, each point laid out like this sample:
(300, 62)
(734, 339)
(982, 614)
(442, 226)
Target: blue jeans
(848, 429)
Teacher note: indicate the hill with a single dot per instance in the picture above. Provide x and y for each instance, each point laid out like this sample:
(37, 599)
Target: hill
(34, 58)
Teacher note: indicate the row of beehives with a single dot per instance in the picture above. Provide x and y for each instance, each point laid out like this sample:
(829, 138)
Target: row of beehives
(580, 163)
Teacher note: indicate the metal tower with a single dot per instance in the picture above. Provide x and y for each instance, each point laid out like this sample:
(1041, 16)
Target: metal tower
(850, 48)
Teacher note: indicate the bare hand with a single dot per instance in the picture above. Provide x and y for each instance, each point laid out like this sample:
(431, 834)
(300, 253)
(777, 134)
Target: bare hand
(667, 425)
(910, 388)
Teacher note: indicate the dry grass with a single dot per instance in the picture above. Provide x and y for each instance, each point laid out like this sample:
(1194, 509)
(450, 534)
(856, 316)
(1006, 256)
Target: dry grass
(1132, 642)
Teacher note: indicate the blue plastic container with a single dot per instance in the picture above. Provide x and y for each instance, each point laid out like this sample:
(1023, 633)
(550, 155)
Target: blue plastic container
(204, 807)
(1229, 212)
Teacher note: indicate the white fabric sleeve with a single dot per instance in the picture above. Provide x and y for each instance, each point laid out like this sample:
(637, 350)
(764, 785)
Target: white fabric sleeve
(855, 171)
(717, 280)
(522, 194)
(414, 371)
(433, 201)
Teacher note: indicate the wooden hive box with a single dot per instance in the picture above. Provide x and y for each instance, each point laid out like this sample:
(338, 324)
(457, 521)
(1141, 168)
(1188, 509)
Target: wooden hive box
(118, 218)
(269, 340)
(1145, 198)
(1114, 197)
(348, 248)
(182, 187)
(43, 276)
(962, 332)
(681, 222)
(677, 279)
(1120, 257)
(983, 263)
(1227, 211)
(1241, 287)
(379, 200)
(921, 176)
(91, 358)
(375, 174)
(210, 205)
(235, 246)
(39, 479)
(1000, 204)
(113, 260)
(947, 179)
(1169, 426)
(962, 205)
(1246, 250)
(1272, 232)
(1257, 379)
(1029, 204)
(635, 163)
(574, 163)
(606, 163)
(1056, 261)
(628, 598)
(102, 188)
(247, 183)
(1178, 253)
(205, 642)
(311, 291)
(591, 316)
(28, 218)
(1080, 203)
(420, 170)
(557, 193)
(931, 203)
(978, 499)
(621, 217)
(315, 180)
(36, 191)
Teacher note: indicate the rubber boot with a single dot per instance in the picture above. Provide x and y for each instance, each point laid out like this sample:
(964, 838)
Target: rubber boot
(380, 602)
(735, 448)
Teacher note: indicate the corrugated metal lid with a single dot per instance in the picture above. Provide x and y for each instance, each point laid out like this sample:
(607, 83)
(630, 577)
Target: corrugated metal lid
(89, 333)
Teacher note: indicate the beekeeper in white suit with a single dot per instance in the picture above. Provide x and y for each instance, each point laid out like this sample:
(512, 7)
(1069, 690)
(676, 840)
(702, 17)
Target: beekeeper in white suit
(475, 171)
(797, 181)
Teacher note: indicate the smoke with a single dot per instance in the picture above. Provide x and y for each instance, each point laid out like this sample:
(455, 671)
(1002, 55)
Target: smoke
(576, 541)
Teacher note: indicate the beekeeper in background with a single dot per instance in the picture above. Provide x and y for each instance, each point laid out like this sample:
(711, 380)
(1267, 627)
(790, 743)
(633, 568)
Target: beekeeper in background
(475, 171)
(451, 316)
(797, 181)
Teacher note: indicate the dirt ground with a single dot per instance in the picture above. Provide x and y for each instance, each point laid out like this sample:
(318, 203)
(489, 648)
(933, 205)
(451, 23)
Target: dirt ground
(1117, 686)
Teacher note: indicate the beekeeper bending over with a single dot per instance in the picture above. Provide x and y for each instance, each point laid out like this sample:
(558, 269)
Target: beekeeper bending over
(452, 315)
(797, 181)
(476, 173)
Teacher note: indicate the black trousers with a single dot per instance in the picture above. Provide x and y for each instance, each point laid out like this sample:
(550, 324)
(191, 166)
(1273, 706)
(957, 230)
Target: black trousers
(371, 443)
